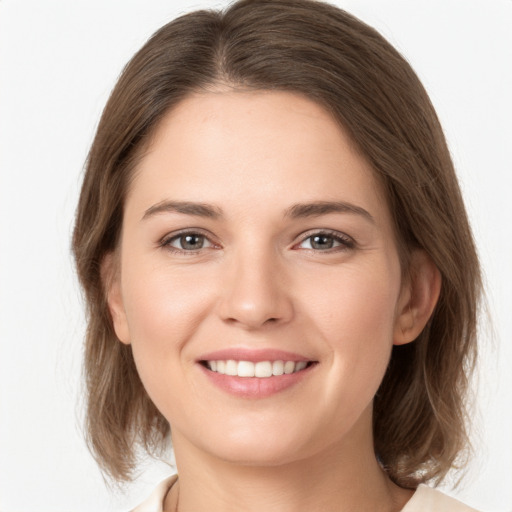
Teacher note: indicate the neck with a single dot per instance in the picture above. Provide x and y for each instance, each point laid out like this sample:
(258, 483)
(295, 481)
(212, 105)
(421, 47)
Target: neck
(342, 478)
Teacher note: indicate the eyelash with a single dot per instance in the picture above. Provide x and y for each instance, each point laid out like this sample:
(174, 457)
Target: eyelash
(166, 241)
(345, 242)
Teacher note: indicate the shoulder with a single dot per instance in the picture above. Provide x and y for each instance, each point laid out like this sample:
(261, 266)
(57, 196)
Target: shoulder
(155, 501)
(426, 499)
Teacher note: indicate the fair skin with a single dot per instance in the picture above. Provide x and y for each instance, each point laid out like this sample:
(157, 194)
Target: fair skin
(254, 231)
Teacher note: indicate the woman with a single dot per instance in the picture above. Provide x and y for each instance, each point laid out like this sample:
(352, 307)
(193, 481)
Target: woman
(278, 267)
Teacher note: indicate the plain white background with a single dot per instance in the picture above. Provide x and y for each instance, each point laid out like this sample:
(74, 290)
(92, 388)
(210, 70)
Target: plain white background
(58, 63)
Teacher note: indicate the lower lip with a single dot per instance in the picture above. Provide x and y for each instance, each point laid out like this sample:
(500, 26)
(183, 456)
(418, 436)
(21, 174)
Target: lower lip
(256, 387)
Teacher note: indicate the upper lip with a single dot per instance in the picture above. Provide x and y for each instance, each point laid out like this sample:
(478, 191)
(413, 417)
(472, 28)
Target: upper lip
(253, 355)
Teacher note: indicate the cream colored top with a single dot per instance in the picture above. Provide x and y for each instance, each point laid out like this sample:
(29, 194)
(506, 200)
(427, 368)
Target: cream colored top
(425, 499)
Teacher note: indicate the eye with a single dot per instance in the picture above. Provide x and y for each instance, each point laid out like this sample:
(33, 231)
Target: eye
(325, 241)
(187, 242)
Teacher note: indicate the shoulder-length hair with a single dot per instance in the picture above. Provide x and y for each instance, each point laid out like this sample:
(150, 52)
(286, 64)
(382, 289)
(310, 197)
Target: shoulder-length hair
(319, 51)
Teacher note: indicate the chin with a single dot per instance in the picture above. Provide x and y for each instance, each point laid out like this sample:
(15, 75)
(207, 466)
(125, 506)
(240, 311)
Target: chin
(264, 447)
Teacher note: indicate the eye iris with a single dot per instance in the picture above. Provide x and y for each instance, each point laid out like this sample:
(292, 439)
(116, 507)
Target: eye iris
(191, 241)
(322, 242)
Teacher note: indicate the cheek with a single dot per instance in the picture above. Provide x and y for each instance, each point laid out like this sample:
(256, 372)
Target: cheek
(162, 304)
(163, 309)
(355, 321)
(354, 303)
(162, 312)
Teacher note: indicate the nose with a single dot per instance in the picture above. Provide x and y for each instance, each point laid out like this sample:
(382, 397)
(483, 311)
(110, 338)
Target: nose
(255, 291)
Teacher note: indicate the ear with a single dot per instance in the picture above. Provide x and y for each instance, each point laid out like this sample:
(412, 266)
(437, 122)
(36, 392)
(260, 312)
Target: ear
(110, 276)
(418, 298)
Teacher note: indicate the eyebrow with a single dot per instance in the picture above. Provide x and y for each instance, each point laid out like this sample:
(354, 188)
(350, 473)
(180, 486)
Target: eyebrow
(296, 211)
(318, 208)
(185, 207)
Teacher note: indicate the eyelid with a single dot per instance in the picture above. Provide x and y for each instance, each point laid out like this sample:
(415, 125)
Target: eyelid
(164, 242)
(346, 242)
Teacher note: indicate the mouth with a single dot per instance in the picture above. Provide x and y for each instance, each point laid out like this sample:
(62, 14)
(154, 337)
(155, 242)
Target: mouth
(260, 369)
(254, 374)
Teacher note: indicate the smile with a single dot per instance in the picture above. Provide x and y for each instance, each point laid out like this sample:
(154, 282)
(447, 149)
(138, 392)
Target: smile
(255, 374)
(260, 369)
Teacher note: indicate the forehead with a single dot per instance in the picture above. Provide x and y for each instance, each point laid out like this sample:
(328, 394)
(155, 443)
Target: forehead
(222, 145)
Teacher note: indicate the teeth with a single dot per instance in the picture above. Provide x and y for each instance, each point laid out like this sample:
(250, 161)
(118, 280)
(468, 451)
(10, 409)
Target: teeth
(277, 368)
(231, 367)
(261, 369)
(289, 367)
(300, 366)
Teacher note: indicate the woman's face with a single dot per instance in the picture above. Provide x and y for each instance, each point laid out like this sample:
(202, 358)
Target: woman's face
(256, 242)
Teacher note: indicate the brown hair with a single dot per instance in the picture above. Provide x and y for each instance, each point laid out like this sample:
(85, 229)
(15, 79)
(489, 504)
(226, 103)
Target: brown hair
(322, 52)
